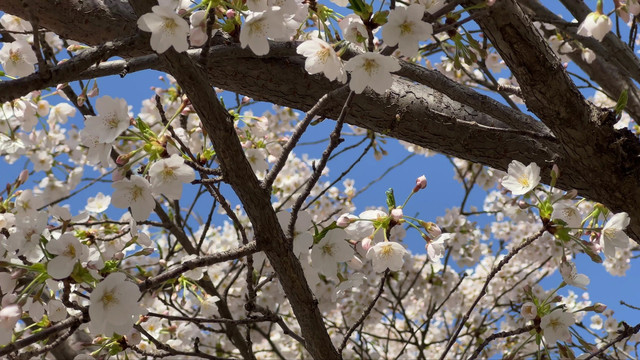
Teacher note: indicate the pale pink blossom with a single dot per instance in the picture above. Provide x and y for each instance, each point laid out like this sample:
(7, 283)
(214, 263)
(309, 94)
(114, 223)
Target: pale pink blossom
(371, 70)
(167, 29)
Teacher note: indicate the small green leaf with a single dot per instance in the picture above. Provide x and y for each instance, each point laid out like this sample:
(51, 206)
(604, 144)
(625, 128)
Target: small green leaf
(622, 102)
(380, 18)
(391, 199)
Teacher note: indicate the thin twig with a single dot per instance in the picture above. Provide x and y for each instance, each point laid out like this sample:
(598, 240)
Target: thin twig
(365, 314)
(493, 273)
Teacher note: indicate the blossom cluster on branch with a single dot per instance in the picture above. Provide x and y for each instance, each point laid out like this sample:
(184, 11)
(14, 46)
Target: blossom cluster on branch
(171, 260)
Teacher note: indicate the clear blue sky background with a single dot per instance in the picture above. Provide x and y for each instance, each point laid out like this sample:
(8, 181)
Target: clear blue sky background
(442, 191)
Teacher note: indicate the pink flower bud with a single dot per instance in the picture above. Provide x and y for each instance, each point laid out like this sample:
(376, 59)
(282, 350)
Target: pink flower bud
(24, 175)
(366, 243)
(230, 13)
(246, 100)
(396, 214)
(599, 307)
(433, 229)
(421, 183)
(343, 220)
(94, 90)
(81, 99)
(555, 170)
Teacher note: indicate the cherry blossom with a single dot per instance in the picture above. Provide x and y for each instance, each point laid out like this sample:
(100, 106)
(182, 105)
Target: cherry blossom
(111, 121)
(134, 193)
(259, 26)
(387, 254)
(555, 326)
(9, 316)
(521, 179)
(168, 175)
(114, 305)
(198, 31)
(17, 58)
(167, 29)
(371, 70)
(353, 29)
(436, 248)
(406, 29)
(529, 310)
(571, 277)
(613, 235)
(329, 251)
(596, 25)
(302, 237)
(322, 58)
(98, 204)
(69, 251)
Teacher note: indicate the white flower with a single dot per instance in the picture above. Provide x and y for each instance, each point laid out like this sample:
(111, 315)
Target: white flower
(353, 29)
(302, 237)
(258, 26)
(332, 249)
(60, 113)
(322, 58)
(567, 212)
(69, 251)
(520, 179)
(596, 322)
(257, 159)
(613, 235)
(364, 225)
(56, 310)
(406, 29)
(168, 175)
(571, 277)
(372, 70)
(9, 316)
(208, 307)
(387, 254)
(111, 121)
(17, 58)
(98, 151)
(595, 25)
(555, 326)
(436, 247)
(198, 31)
(98, 204)
(134, 193)
(588, 55)
(167, 29)
(114, 305)
(529, 310)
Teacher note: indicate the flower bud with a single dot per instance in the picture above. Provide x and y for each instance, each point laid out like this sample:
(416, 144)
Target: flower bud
(529, 310)
(343, 220)
(366, 243)
(421, 183)
(523, 204)
(230, 13)
(81, 99)
(433, 229)
(396, 214)
(22, 178)
(94, 90)
(571, 194)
